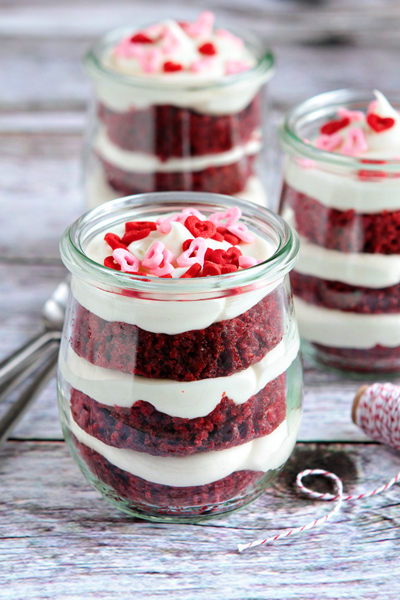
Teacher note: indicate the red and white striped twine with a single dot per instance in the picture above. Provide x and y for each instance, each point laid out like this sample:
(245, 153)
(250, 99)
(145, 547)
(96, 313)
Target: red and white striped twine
(378, 414)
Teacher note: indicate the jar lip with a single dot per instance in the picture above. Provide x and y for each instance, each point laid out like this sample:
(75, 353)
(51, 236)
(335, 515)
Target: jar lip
(317, 106)
(264, 68)
(117, 211)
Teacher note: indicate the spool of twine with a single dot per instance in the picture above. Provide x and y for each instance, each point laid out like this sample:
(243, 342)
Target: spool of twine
(376, 410)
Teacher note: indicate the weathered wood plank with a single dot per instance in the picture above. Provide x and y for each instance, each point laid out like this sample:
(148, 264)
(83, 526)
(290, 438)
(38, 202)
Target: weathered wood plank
(59, 539)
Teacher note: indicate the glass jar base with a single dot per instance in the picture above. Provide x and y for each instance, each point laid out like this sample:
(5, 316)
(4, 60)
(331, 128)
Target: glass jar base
(352, 362)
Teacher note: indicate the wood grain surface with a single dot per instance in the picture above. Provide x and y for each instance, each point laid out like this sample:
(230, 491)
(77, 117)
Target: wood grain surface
(58, 538)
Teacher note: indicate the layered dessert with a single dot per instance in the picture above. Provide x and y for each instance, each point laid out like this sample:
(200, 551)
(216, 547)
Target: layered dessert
(346, 283)
(180, 407)
(178, 108)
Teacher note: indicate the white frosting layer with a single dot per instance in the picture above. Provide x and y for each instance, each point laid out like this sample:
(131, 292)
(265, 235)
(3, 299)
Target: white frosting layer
(187, 400)
(98, 191)
(139, 162)
(342, 191)
(346, 329)
(367, 270)
(262, 454)
(165, 317)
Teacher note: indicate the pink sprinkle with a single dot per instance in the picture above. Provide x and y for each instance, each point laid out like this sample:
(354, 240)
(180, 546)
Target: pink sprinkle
(167, 268)
(170, 43)
(355, 143)
(225, 34)
(372, 106)
(236, 66)
(128, 49)
(150, 60)
(353, 115)
(203, 64)
(231, 215)
(247, 261)
(164, 224)
(329, 142)
(202, 27)
(199, 245)
(241, 231)
(129, 263)
(154, 255)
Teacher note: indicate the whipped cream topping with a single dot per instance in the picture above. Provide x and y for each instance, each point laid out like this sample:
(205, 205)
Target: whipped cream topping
(181, 52)
(261, 454)
(339, 329)
(187, 400)
(140, 162)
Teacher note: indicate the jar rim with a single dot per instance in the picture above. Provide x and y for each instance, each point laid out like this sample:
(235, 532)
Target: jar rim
(322, 105)
(120, 210)
(263, 70)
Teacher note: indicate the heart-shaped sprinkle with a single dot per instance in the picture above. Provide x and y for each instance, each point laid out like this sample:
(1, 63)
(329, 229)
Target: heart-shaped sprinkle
(355, 143)
(210, 269)
(111, 264)
(329, 143)
(333, 126)
(242, 232)
(230, 216)
(247, 261)
(186, 259)
(231, 239)
(218, 237)
(226, 257)
(137, 225)
(141, 38)
(171, 67)
(193, 271)
(129, 263)
(378, 123)
(228, 269)
(154, 255)
(134, 235)
(114, 241)
(208, 49)
(166, 268)
(204, 229)
(200, 28)
(353, 115)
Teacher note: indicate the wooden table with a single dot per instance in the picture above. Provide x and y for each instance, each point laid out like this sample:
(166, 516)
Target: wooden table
(58, 538)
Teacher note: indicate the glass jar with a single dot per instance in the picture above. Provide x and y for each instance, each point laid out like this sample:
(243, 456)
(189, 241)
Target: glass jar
(180, 398)
(147, 136)
(346, 284)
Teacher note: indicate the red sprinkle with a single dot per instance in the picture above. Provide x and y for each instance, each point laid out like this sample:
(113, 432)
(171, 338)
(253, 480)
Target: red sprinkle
(231, 239)
(109, 262)
(366, 175)
(193, 271)
(204, 229)
(171, 67)
(137, 225)
(228, 269)
(226, 257)
(134, 235)
(167, 276)
(208, 49)
(210, 268)
(141, 38)
(378, 123)
(208, 254)
(333, 126)
(218, 237)
(186, 244)
(114, 241)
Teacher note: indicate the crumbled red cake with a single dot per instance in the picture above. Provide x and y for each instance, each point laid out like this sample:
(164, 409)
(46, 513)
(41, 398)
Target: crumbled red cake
(341, 296)
(225, 179)
(145, 429)
(220, 350)
(370, 360)
(170, 131)
(346, 231)
(212, 498)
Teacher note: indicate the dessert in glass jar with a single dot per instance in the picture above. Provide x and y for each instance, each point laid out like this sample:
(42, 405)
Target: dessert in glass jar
(180, 381)
(342, 193)
(178, 106)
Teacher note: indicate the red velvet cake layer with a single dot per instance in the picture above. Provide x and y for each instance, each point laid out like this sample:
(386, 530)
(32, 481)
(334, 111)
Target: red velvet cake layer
(226, 179)
(341, 296)
(378, 358)
(221, 349)
(346, 231)
(145, 429)
(169, 500)
(169, 131)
